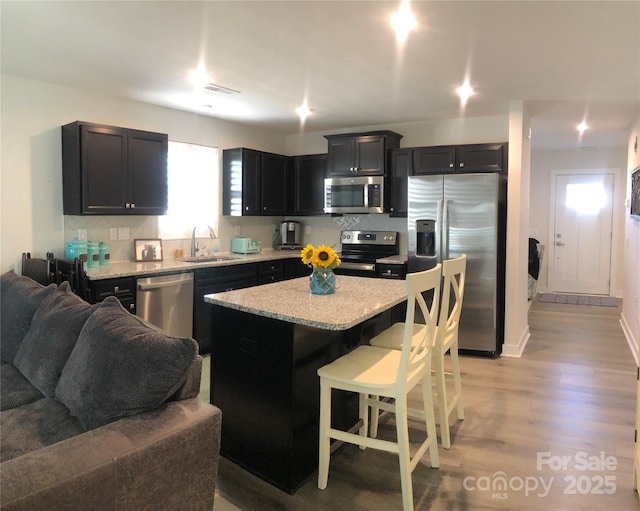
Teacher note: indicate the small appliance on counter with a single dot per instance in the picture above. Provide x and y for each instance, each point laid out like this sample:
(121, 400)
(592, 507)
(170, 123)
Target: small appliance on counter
(245, 246)
(290, 236)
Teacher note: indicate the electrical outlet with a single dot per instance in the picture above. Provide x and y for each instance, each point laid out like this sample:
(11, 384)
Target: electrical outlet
(124, 233)
(276, 228)
(307, 229)
(236, 230)
(82, 234)
(113, 233)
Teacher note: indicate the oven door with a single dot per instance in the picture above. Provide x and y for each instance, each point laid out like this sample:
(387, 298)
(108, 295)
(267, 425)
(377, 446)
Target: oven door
(356, 269)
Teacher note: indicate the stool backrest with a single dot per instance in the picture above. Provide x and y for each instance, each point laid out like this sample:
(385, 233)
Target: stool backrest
(416, 347)
(453, 279)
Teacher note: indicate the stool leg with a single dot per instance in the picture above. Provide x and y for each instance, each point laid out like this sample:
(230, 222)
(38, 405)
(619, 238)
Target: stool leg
(364, 417)
(438, 358)
(457, 380)
(430, 419)
(324, 441)
(375, 413)
(404, 456)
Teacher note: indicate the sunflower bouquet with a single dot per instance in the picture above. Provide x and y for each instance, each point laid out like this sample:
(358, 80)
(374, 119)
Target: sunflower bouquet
(321, 257)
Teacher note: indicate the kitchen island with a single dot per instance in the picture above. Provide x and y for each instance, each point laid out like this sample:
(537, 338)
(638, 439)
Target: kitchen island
(268, 342)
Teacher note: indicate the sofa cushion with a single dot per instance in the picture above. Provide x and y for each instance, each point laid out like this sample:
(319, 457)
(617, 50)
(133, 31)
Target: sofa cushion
(53, 334)
(33, 426)
(122, 366)
(19, 298)
(16, 389)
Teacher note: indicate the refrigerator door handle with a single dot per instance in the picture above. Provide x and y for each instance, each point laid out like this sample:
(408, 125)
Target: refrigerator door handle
(445, 230)
(439, 231)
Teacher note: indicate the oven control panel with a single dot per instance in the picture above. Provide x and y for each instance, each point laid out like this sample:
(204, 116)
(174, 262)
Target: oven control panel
(369, 237)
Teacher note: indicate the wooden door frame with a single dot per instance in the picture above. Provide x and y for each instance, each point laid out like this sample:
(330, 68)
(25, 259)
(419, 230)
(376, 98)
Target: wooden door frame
(616, 230)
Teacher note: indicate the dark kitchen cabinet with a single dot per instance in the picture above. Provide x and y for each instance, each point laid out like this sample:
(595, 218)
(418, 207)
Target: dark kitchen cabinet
(254, 183)
(363, 154)
(270, 271)
(294, 268)
(308, 189)
(462, 158)
(124, 289)
(398, 181)
(216, 280)
(107, 170)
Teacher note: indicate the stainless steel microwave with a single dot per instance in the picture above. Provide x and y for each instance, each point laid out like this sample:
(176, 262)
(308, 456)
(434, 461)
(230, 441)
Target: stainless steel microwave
(362, 194)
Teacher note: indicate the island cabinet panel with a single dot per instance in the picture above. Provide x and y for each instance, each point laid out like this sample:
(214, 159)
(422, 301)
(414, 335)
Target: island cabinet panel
(108, 170)
(216, 280)
(264, 378)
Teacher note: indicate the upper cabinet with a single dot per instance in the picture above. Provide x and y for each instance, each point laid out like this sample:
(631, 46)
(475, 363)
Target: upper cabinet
(398, 181)
(360, 154)
(254, 183)
(308, 189)
(107, 170)
(462, 158)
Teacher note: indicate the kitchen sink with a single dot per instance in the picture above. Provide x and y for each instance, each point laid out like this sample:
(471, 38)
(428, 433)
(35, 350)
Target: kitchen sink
(207, 259)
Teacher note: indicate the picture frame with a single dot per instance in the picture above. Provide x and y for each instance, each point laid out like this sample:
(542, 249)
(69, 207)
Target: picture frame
(147, 250)
(634, 210)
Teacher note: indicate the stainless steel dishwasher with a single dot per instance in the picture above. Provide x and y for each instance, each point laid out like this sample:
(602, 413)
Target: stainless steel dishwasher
(167, 302)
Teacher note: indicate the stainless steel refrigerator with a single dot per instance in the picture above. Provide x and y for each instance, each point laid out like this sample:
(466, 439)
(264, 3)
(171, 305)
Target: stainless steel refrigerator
(451, 215)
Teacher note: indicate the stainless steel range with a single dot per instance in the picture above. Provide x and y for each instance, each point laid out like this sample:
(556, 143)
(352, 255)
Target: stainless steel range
(360, 250)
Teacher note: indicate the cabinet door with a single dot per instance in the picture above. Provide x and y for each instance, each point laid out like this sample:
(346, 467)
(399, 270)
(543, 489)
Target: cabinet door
(274, 184)
(340, 158)
(147, 173)
(251, 185)
(433, 160)
(370, 155)
(104, 169)
(309, 184)
(480, 158)
(401, 160)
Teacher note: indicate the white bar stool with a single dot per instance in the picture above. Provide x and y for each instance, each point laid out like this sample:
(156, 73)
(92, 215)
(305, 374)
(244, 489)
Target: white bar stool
(370, 370)
(453, 275)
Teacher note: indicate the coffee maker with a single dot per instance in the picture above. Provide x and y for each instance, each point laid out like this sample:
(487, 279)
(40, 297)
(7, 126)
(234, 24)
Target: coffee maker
(290, 237)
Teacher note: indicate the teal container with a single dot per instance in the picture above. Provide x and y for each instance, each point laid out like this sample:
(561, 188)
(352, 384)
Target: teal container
(103, 251)
(76, 248)
(93, 255)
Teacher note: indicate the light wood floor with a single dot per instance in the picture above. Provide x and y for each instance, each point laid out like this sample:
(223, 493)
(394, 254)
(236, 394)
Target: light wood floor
(571, 395)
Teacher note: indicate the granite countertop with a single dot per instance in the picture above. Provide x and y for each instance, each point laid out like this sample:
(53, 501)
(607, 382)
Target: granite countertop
(356, 299)
(133, 269)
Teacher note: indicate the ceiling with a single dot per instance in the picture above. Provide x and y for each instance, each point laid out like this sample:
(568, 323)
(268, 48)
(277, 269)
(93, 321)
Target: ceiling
(569, 61)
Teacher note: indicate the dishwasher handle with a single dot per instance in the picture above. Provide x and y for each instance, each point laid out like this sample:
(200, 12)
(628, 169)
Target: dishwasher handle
(156, 285)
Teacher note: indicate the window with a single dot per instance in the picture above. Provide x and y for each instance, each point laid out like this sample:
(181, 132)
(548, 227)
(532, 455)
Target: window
(193, 172)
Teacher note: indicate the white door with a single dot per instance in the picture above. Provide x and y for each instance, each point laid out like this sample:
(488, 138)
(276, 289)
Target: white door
(582, 233)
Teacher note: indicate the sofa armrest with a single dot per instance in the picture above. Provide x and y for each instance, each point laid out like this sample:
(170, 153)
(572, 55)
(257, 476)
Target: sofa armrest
(165, 459)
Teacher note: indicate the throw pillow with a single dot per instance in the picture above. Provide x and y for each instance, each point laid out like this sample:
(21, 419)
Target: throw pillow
(54, 331)
(122, 366)
(19, 298)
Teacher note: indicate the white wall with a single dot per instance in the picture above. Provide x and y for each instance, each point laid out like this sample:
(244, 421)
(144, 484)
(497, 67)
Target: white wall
(630, 319)
(543, 164)
(31, 173)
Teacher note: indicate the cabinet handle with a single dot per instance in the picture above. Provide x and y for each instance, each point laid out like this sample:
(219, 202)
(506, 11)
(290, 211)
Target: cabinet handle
(450, 165)
(132, 306)
(461, 165)
(246, 208)
(133, 205)
(264, 208)
(116, 289)
(127, 205)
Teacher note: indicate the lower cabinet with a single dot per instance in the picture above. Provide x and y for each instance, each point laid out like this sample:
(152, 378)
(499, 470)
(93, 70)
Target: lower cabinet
(124, 289)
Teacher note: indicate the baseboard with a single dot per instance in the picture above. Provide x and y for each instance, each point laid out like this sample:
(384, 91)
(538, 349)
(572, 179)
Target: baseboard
(633, 343)
(516, 350)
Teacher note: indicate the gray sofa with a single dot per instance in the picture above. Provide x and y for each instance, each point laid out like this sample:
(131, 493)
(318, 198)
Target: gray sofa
(99, 410)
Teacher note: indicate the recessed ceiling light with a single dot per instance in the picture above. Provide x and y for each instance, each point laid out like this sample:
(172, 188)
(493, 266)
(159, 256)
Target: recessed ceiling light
(582, 127)
(303, 111)
(199, 77)
(465, 91)
(403, 21)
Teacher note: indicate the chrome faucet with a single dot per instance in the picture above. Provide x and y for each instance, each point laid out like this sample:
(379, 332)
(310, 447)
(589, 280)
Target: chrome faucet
(194, 244)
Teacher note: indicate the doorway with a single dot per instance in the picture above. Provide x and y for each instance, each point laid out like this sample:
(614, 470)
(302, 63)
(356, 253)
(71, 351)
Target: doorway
(582, 233)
